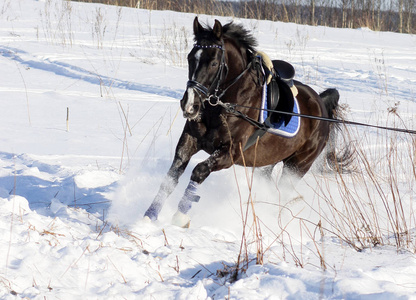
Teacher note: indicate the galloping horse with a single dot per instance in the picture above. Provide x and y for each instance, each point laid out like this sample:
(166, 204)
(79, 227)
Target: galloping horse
(222, 75)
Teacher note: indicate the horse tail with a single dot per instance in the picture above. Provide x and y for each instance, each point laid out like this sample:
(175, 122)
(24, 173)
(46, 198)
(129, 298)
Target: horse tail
(330, 97)
(336, 160)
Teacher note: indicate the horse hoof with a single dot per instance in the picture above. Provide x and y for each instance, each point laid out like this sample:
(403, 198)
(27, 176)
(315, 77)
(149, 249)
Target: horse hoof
(181, 220)
(146, 219)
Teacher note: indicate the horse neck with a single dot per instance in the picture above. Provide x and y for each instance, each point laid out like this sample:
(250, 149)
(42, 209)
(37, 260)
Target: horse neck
(236, 58)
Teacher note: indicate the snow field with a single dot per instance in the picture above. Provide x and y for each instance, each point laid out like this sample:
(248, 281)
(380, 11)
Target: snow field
(72, 195)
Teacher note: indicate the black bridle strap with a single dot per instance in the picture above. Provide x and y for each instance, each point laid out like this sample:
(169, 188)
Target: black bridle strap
(235, 80)
(196, 85)
(218, 77)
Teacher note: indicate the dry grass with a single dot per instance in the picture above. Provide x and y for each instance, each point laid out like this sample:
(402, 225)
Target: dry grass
(370, 206)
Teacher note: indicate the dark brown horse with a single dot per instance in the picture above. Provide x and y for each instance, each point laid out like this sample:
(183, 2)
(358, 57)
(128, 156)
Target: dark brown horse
(222, 73)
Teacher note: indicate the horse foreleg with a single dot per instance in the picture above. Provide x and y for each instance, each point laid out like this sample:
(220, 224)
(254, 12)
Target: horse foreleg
(219, 160)
(181, 218)
(166, 188)
(186, 147)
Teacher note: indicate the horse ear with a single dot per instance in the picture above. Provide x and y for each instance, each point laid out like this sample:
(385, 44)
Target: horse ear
(197, 27)
(217, 29)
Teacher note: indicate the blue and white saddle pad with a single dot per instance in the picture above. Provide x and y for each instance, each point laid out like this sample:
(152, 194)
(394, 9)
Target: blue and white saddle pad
(290, 130)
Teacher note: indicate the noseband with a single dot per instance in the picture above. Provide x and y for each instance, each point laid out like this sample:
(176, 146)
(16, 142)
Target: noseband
(211, 98)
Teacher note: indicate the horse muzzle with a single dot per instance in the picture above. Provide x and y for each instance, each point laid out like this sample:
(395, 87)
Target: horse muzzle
(191, 104)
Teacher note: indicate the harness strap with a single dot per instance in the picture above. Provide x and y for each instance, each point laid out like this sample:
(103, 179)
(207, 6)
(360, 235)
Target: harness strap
(214, 99)
(196, 85)
(235, 80)
(230, 108)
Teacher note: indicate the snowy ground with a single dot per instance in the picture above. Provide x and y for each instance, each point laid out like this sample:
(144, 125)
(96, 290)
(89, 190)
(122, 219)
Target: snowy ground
(73, 189)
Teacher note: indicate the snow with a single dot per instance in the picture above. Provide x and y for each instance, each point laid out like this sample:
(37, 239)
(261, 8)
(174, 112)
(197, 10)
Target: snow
(89, 122)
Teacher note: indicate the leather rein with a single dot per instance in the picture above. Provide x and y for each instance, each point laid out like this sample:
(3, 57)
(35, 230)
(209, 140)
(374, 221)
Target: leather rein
(214, 98)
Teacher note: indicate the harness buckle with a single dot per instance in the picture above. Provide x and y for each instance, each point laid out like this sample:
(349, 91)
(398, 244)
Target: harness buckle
(213, 100)
(229, 108)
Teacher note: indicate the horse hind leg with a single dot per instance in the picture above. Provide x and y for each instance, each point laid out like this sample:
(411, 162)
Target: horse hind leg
(287, 185)
(294, 169)
(267, 171)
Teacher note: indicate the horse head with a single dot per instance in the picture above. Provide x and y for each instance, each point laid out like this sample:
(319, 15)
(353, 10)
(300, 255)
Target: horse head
(207, 68)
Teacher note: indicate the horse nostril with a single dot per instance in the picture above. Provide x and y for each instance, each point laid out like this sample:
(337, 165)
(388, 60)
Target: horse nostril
(190, 109)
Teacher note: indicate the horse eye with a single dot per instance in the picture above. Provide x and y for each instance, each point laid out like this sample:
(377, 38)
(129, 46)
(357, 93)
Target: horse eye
(214, 64)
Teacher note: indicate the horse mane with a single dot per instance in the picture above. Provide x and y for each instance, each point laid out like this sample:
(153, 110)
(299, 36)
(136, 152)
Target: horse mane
(241, 35)
(235, 32)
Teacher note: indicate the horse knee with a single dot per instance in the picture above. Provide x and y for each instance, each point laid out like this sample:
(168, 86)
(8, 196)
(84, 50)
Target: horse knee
(200, 173)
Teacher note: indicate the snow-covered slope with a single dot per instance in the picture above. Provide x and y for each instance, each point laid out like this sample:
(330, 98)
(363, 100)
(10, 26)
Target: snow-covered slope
(89, 120)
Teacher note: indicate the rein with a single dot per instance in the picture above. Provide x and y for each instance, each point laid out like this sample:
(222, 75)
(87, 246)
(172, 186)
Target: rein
(231, 108)
(214, 99)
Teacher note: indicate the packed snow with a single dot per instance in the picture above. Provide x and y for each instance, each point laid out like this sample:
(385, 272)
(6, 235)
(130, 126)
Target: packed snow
(90, 117)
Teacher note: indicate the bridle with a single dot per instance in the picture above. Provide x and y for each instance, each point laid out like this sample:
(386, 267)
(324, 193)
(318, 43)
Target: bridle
(211, 93)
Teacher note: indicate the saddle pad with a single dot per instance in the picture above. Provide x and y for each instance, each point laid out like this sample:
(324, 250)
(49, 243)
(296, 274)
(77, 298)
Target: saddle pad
(290, 130)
